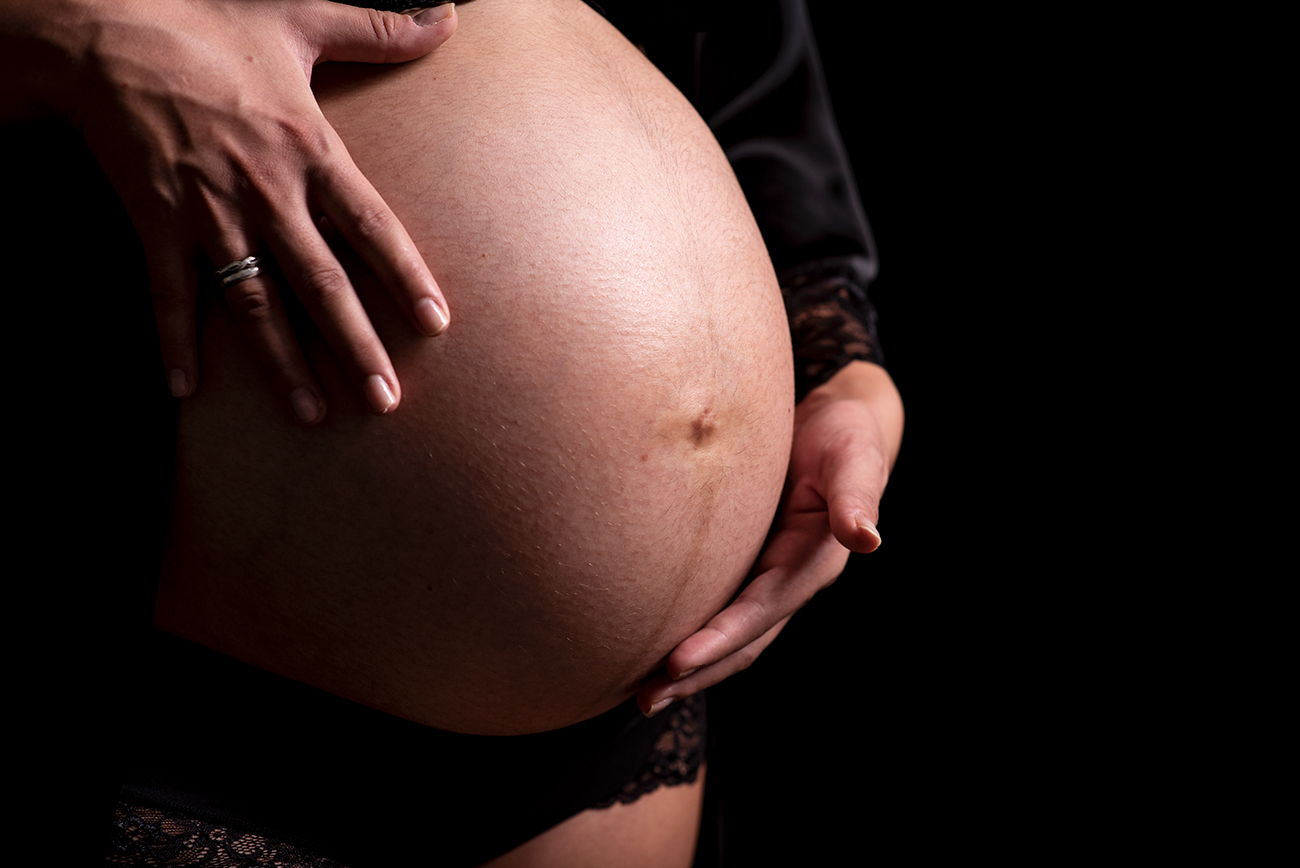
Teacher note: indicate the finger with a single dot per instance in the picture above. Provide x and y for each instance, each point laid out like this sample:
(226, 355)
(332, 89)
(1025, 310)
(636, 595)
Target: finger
(362, 217)
(325, 290)
(659, 692)
(339, 32)
(854, 479)
(173, 283)
(256, 308)
(731, 629)
(770, 598)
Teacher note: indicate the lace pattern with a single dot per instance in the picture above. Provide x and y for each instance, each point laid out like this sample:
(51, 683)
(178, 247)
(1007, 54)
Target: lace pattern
(144, 836)
(676, 757)
(832, 323)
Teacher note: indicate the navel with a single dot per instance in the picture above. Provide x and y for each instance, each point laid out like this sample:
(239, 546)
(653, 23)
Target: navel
(703, 429)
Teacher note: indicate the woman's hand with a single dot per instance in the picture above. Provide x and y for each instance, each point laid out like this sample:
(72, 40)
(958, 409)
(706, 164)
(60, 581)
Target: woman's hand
(846, 436)
(202, 116)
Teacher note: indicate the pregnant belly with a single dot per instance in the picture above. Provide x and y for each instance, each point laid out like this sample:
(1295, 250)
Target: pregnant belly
(583, 467)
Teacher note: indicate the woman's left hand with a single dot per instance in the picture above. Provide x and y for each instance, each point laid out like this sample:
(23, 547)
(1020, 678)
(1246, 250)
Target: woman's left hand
(846, 436)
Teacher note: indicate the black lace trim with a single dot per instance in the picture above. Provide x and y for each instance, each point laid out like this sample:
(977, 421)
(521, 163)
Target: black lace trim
(144, 836)
(832, 322)
(676, 757)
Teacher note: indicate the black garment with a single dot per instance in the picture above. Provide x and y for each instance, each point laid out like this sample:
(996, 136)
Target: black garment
(223, 755)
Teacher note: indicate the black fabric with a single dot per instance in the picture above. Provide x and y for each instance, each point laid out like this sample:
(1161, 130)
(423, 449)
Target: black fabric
(146, 836)
(243, 749)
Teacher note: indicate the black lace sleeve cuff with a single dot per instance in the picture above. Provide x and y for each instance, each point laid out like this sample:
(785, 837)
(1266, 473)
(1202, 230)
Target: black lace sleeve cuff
(832, 321)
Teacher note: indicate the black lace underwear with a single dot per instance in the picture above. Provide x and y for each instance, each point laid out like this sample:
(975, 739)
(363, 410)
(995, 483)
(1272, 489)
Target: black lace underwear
(677, 755)
(159, 837)
(146, 836)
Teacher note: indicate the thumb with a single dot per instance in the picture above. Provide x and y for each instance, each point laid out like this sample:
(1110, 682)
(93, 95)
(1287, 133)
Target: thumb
(854, 484)
(348, 33)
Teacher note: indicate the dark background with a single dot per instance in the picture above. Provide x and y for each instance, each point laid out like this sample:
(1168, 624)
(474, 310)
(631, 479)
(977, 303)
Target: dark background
(901, 714)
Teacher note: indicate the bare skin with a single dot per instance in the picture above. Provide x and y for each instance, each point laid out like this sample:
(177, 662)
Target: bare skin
(584, 468)
(616, 387)
(243, 213)
(658, 830)
(846, 437)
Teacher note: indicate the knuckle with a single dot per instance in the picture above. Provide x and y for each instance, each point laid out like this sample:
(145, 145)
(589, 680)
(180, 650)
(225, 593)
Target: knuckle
(761, 613)
(373, 222)
(326, 283)
(385, 25)
(261, 189)
(214, 203)
(287, 144)
(409, 269)
(746, 656)
(308, 137)
(250, 301)
(758, 602)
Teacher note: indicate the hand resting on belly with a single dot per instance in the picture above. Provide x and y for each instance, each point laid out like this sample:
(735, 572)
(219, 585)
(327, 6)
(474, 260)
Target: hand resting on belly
(584, 466)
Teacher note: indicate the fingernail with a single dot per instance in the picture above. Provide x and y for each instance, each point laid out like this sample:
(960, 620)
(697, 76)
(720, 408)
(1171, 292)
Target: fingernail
(684, 674)
(660, 706)
(427, 16)
(864, 523)
(431, 317)
(305, 406)
(381, 397)
(177, 382)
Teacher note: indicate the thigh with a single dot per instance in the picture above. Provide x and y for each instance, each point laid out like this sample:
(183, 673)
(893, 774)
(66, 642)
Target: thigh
(658, 830)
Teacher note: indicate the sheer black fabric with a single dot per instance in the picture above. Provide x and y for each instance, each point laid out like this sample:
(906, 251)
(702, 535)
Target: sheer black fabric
(153, 833)
(249, 752)
(677, 756)
(157, 837)
(831, 323)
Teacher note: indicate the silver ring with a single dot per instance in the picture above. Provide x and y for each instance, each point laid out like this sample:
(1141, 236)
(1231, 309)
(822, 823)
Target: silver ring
(240, 269)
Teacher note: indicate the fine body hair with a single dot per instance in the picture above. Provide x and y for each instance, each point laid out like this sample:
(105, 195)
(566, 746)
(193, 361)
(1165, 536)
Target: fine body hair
(583, 467)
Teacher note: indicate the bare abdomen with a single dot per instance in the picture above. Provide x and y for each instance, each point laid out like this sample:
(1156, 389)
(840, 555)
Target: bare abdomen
(583, 467)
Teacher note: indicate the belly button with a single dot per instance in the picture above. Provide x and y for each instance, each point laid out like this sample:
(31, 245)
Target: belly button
(703, 429)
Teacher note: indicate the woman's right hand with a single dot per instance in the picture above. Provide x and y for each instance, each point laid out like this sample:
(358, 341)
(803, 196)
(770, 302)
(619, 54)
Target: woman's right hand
(202, 116)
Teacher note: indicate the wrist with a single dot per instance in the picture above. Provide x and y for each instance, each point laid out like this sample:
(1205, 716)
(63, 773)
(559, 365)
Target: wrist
(871, 387)
(42, 46)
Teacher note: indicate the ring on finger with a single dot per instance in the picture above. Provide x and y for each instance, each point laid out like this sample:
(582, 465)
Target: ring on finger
(240, 269)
